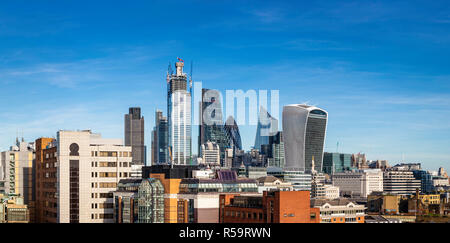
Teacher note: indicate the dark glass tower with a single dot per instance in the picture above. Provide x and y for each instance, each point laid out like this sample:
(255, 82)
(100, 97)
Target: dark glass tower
(232, 130)
(211, 126)
(134, 135)
(160, 139)
(267, 127)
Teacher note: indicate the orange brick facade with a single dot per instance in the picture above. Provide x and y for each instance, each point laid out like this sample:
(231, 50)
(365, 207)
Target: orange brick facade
(277, 207)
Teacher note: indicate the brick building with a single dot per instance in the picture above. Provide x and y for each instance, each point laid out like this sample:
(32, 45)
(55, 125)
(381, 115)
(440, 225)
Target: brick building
(271, 207)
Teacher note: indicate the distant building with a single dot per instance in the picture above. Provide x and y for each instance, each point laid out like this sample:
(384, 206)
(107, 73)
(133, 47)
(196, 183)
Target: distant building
(426, 180)
(267, 127)
(336, 163)
(359, 183)
(179, 116)
(139, 201)
(359, 161)
(383, 203)
(256, 172)
(339, 211)
(400, 182)
(331, 192)
(210, 153)
(272, 183)
(134, 135)
(160, 140)
(271, 207)
(304, 129)
(13, 210)
(211, 126)
(232, 130)
(17, 173)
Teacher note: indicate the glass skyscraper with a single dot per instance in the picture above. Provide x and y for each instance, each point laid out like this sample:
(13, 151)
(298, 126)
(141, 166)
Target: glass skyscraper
(336, 162)
(304, 129)
(211, 126)
(267, 126)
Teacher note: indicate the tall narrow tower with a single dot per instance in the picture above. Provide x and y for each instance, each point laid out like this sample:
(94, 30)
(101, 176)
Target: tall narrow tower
(179, 116)
(134, 135)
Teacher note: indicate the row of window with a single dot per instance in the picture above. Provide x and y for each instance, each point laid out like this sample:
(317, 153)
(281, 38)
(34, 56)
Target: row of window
(244, 215)
(104, 185)
(110, 154)
(110, 164)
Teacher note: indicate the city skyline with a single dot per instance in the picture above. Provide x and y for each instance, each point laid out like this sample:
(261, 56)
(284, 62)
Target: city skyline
(386, 95)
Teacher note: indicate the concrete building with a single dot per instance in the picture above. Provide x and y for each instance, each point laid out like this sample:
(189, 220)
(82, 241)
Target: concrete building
(339, 211)
(134, 135)
(383, 203)
(360, 182)
(210, 153)
(331, 192)
(271, 207)
(272, 183)
(16, 171)
(256, 172)
(304, 129)
(139, 201)
(13, 210)
(359, 161)
(400, 182)
(179, 116)
(78, 173)
(300, 180)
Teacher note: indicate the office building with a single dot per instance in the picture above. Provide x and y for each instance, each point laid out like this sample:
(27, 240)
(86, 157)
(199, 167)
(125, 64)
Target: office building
(401, 182)
(79, 172)
(210, 153)
(336, 162)
(359, 161)
(360, 182)
(13, 210)
(232, 131)
(272, 183)
(331, 192)
(271, 207)
(179, 116)
(267, 127)
(276, 151)
(134, 135)
(139, 201)
(304, 129)
(426, 180)
(339, 211)
(171, 177)
(17, 173)
(211, 126)
(160, 139)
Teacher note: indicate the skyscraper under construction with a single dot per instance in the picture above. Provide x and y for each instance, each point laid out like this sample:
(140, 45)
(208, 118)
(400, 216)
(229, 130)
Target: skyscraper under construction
(179, 116)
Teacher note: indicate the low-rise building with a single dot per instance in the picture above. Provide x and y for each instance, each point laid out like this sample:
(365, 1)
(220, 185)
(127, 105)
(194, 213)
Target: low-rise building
(271, 207)
(13, 210)
(139, 201)
(401, 182)
(331, 192)
(359, 182)
(383, 203)
(272, 183)
(339, 211)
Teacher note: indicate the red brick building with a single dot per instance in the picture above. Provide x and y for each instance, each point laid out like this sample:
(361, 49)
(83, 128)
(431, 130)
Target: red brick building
(272, 207)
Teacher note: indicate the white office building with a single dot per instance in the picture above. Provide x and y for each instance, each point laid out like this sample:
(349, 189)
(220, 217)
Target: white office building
(360, 182)
(89, 168)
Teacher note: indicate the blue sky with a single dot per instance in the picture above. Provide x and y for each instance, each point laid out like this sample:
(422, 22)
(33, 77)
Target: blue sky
(380, 68)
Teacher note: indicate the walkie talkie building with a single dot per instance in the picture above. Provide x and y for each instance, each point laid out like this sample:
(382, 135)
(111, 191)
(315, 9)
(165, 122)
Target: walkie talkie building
(304, 129)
